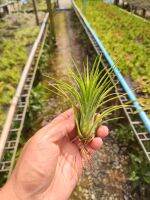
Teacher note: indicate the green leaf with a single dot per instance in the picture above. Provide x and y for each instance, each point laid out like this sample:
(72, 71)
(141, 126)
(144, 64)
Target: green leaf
(134, 177)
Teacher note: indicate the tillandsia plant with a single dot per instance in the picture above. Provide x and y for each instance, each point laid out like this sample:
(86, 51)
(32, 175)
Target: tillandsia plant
(88, 93)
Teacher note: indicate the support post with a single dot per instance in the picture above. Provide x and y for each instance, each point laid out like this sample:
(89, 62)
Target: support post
(144, 12)
(57, 4)
(36, 13)
(51, 20)
(116, 2)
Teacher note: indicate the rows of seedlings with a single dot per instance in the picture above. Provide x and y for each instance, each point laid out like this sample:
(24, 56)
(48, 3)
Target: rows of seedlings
(18, 32)
(126, 38)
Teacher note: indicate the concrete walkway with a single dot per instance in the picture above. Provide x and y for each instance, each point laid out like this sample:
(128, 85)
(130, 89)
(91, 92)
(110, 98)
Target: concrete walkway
(64, 4)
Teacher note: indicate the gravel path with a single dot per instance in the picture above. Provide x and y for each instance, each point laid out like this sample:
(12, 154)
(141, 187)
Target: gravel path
(106, 178)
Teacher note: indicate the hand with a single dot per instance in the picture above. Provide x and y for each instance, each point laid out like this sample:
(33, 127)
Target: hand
(51, 162)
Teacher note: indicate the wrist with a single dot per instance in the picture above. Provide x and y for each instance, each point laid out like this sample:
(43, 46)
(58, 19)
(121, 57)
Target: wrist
(7, 192)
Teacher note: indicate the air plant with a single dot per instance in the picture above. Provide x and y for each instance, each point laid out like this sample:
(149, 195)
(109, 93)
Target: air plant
(88, 92)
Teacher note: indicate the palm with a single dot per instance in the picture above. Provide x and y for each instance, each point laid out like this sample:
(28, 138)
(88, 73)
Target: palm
(49, 169)
(68, 169)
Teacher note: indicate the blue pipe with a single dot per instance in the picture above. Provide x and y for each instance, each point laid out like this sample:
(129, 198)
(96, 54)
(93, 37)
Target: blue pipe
(131, 95)
(109, 1)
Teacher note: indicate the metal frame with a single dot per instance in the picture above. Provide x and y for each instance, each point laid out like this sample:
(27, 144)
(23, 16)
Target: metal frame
(142, 136)
(5, 8)
(10, 136)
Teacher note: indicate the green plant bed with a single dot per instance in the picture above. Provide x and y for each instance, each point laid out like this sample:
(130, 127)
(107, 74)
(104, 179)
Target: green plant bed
(139, 168)
(17, 34)
(126, 38)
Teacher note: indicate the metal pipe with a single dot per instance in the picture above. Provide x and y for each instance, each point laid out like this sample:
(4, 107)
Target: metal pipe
(130, 93)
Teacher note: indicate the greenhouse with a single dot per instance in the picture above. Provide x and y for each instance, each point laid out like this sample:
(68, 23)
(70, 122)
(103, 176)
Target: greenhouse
(75, 99)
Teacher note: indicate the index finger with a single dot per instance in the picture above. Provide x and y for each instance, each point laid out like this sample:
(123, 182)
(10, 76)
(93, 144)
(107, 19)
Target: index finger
(63, 125)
